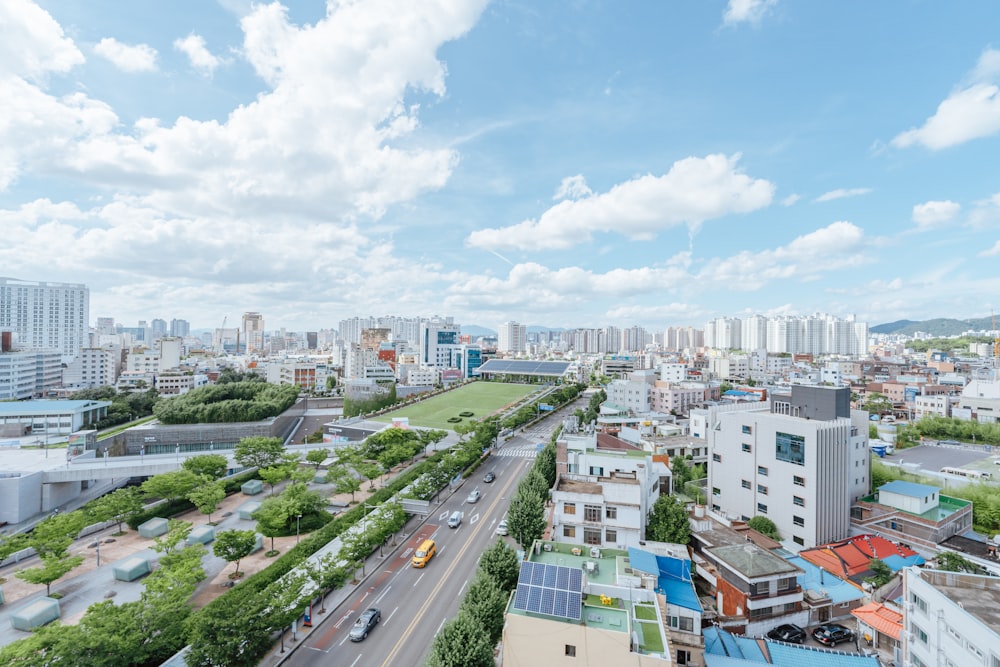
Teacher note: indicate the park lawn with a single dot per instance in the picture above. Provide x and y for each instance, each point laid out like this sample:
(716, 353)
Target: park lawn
(480, 398)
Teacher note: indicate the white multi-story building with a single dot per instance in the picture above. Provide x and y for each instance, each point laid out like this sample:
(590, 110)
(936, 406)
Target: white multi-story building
(439, 338)
(46, 316)
(951, 619)
(512, 338)
(166, 355)
(630, 395)
(94, 367)
(815, 334)
(604, 491)
(253, 333)
(29, 374)
(802, 463)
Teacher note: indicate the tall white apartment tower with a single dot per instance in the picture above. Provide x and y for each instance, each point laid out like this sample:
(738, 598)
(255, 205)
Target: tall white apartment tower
(512, 337)
(439, 337)
(46, 316)
(253, 332)
(802, 463)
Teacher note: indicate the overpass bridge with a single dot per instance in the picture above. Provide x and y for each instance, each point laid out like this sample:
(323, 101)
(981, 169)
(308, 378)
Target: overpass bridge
(87, 468)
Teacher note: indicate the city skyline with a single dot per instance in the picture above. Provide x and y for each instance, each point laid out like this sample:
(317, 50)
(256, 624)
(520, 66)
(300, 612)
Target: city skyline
(559, 166)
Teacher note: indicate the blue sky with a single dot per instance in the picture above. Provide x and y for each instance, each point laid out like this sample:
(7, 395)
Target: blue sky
(557, 163)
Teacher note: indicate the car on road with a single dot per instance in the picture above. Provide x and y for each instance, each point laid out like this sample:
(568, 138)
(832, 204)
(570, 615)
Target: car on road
(368, 619)
(502, 527)
(473, 497)
(788, 632)
(831, 634)
(455, 520)
(489, 477)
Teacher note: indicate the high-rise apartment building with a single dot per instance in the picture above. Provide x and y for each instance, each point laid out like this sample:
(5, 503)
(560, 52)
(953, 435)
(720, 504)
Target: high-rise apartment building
(816, 334)
(252, 333)
(438, 341)
(46, 316)
(180, 328)
(512, 338)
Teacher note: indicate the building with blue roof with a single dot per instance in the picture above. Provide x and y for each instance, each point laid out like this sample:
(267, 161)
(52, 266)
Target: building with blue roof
(724, 649)
(918, 516)
(682, 607)
(825, 596)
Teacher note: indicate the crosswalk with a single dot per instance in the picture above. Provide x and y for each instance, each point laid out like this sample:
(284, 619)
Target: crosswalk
(526, 452)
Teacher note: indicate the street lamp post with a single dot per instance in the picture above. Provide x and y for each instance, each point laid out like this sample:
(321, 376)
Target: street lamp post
(297, 517)
(98, 553)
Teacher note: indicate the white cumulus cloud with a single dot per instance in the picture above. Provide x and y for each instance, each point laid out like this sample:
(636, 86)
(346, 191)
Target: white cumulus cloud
(32, 43)
(970, 112)
(991, 252)
(695, 190)
(127, 57)
(193, 46)
(573, 187)
(934, 213)
(841, 193)
(746, 11)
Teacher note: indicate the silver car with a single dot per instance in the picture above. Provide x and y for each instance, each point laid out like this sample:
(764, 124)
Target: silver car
(473, 497)
(369, 619)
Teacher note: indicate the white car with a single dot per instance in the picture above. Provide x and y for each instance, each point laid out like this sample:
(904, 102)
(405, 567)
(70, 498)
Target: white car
(502, 527)
(473, 497)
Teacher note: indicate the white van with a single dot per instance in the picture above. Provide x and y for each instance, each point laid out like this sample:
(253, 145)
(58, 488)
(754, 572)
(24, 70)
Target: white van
(455, 520)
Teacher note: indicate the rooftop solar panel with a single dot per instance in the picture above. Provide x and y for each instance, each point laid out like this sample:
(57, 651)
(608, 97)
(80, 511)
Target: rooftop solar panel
(552, 590)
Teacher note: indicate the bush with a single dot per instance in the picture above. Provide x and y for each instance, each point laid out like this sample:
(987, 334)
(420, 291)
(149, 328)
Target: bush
(454, 420)
(466, 414)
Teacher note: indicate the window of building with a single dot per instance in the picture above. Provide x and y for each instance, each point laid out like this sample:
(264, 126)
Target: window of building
(798, 521)
(762, 470)
(591, 512)
(570, 651)
(760, 588)
(799, 501)
(610, 535)
(569, 508)
(761, 489)
(918, 633)
(917, 662)
(799, 481)
(716, 491)
(716, 507)
(610, 512)
(745, 483)
(592, 536)
(976, 651)
(761, 508)
(994, 660)
(596, 471)
(747, 448)
(685, 624)
(717, 457)
(569, 531)
(790, 447)
(798, 540)
(747, 429)
(919, 603)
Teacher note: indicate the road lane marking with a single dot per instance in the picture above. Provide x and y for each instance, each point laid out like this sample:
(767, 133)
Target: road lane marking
(418, 579)
(383, 594)
(356, 660)
(389, 618)
(462, 588)
(441, 581)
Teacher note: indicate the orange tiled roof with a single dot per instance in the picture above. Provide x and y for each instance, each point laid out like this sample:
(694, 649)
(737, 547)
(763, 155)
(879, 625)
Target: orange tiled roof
(852, 556)
(887, 621)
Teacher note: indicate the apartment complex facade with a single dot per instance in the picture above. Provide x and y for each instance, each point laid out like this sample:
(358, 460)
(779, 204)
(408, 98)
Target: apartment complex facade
(46, 316)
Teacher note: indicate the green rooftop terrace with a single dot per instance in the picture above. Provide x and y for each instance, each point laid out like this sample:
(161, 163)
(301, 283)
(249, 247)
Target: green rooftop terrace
(946, 507)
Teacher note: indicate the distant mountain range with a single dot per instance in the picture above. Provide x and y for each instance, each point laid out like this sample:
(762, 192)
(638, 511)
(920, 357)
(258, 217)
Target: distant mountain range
(941, 326)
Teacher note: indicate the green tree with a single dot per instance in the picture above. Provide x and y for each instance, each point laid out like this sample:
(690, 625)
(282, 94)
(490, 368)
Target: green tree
(526, 518)
(207, 497)
(764, 526)
(878, 404)
(325, 575)
(368, 470)
(668, 521)
(53, 568)
(881, 574)
(272, 519)
(545, 464)
(213, 466)
(234, 546)
(54, 535)
(11, 544)
(119, 506)
(171, 485)
(344, 481)
(177, 532)
(317, 456)
(950, 561)
(274, 475)
(461, 642)
(485, 602)
(259, 452)
(535, 483)
(499, 562)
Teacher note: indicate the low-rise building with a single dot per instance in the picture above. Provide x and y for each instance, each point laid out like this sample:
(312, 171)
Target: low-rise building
(913, 514)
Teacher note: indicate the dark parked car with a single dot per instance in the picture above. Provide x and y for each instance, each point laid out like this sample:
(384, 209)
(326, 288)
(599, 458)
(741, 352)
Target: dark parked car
(832, 634)
(789, 632)
(369, 619)
(490, 476)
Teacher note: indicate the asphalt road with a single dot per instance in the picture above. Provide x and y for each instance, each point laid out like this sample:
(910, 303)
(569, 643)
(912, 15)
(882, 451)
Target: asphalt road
(415, 603)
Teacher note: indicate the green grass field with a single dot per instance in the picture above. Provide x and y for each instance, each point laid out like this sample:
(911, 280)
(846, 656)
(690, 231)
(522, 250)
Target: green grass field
(480, 398)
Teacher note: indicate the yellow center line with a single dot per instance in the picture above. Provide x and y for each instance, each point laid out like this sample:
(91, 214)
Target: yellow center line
(441, 581)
